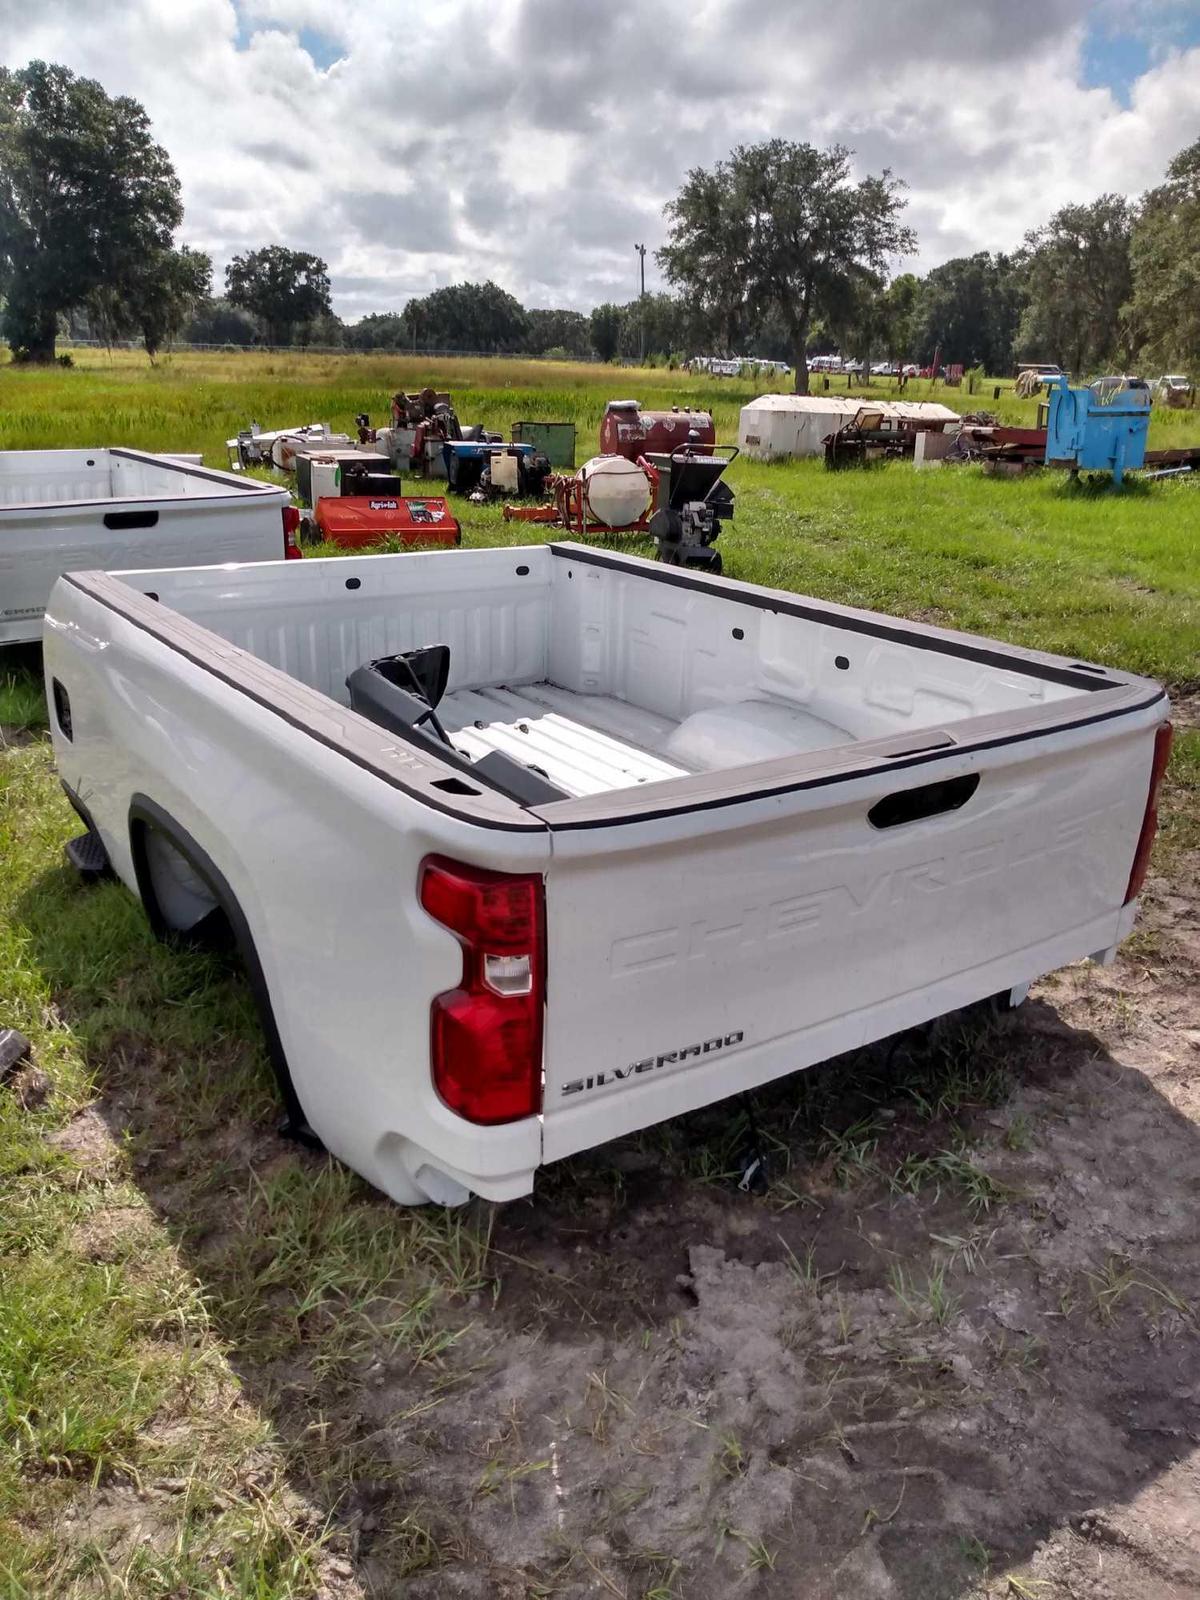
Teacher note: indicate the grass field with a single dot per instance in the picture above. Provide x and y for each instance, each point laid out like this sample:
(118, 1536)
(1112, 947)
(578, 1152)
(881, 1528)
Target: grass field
(1111, 577)
(197, 401)
(227, 1368)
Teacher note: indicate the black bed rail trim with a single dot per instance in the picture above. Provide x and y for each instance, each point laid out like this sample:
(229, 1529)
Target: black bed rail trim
(844, 775)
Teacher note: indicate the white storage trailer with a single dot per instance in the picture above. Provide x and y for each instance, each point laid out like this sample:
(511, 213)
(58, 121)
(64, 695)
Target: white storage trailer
(781, 426)
(777, 426)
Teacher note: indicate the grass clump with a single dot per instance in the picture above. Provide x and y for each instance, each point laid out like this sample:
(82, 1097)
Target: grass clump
(131, 1462)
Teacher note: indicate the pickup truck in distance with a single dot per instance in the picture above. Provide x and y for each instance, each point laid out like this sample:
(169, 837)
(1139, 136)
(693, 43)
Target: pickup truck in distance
(525, 849)
(62, 509)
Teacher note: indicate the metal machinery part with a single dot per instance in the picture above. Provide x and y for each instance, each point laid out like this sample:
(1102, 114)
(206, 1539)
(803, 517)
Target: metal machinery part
(626, 430)
(678, 498)
(687, 520)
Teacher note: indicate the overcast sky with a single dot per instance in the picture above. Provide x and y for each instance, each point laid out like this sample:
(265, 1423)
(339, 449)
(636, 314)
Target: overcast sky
(535, 141)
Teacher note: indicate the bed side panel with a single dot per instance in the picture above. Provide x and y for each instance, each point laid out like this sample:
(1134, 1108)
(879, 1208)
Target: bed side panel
(324, 859)
(327, 616)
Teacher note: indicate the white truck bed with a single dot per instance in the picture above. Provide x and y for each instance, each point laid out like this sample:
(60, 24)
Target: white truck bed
(772, 829)
(67, 509)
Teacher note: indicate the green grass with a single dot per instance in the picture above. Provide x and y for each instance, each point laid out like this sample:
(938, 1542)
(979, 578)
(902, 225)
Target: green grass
(163, 1289)
(195, 401)
(115, 1375)
(22, 704)
(1105, 576)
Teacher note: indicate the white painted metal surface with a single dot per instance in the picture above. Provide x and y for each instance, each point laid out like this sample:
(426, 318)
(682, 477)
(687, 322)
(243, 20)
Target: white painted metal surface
(707, 930)
(617, 490)
(782, 426)
(53, 506)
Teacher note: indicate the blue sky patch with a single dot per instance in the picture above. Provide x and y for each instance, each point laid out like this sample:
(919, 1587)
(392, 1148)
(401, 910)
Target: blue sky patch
(1114, 60)
(1124, 41)
(322, 50)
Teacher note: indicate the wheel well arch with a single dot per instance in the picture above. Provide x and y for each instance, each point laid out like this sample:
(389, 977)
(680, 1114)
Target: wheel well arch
(148, 819)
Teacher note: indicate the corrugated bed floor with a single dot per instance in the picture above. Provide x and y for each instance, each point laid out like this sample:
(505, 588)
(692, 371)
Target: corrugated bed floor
(584, 743)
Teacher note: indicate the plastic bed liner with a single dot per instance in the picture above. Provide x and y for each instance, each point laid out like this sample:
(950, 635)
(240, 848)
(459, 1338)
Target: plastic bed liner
(589, 744)
(585, 743)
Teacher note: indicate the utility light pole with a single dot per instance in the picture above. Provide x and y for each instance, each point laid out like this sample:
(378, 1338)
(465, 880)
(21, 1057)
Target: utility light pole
(641, 250)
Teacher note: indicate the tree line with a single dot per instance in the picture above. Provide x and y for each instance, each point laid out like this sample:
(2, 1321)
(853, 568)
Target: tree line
(777, 252)
(477, 317)
(781, 231)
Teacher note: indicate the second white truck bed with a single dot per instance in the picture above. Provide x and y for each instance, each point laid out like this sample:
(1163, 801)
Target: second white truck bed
(63, 510)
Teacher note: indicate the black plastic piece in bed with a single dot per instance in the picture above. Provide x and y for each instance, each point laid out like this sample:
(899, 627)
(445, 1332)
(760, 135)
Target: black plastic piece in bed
(399, 693)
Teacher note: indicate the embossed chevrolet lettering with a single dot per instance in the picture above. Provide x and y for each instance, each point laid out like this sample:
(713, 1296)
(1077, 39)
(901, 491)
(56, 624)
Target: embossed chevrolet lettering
(815, 911)
(690, 1052)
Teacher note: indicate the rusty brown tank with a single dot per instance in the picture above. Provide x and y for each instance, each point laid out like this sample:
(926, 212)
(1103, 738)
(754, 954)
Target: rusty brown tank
(628, 431)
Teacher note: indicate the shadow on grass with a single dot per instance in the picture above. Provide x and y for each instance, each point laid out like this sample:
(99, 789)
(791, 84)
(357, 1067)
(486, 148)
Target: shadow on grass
(22, 700)
(960, 1317)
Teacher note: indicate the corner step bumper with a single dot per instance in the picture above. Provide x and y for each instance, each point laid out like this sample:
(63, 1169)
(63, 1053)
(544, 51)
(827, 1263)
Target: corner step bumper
(89, 857)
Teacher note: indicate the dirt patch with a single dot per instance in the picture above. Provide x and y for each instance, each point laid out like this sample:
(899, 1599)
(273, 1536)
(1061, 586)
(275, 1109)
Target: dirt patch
(956, 1339)
(113, 1233)
(864, 1392)
(89, 1139)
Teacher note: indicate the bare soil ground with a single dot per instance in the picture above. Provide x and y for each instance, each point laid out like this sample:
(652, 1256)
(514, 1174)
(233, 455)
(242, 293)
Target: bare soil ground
(952, 1351)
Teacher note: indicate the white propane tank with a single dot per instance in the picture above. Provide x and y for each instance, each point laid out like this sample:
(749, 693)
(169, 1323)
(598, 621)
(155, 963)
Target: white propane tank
(616, 491)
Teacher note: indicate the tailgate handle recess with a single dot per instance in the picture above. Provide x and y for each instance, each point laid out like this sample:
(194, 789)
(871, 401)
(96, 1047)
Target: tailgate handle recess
(130, 519)
(930, 800)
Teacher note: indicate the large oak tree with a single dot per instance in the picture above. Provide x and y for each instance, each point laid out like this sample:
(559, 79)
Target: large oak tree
(969, 308)
(87, 198)
(782, 229)
(154, 299)
(480, 317)
(1165, 251)
(1078, 275)
(282, 287)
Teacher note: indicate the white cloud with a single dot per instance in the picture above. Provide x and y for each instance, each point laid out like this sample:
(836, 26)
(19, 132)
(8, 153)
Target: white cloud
(535, 141)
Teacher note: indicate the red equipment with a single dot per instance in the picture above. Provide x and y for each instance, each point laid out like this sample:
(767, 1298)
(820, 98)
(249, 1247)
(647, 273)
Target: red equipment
(1164, 734)
(569, 506)
(627, 430)
(356, 521)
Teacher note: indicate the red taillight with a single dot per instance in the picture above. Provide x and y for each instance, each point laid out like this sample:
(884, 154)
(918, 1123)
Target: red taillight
(486, 1035)
(291, 534)
(1141, 859)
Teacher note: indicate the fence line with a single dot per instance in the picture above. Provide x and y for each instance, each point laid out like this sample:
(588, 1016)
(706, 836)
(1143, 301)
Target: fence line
(228, 347)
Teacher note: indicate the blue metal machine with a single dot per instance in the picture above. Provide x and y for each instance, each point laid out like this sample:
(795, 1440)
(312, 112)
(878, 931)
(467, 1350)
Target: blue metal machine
(1100, 429)
(466, 458)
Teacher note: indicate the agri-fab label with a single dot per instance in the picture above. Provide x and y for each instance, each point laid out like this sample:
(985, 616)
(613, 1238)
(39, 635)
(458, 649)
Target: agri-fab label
(384, 505)
(669, 1058)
